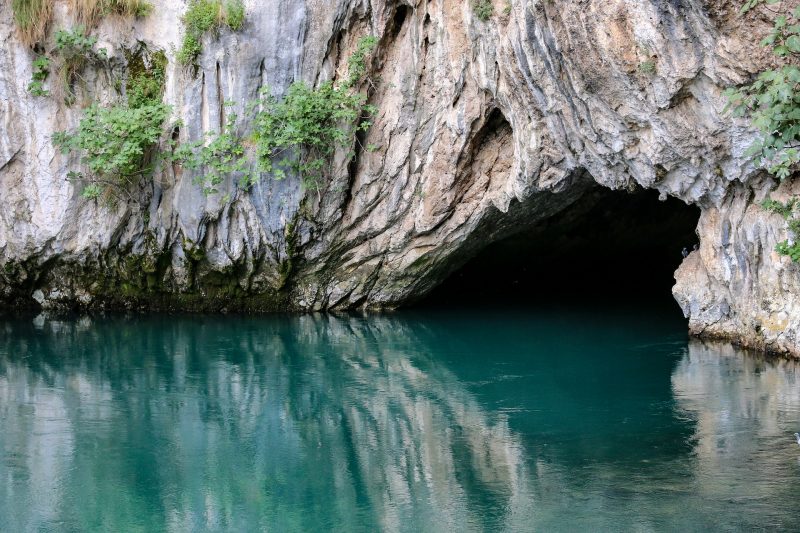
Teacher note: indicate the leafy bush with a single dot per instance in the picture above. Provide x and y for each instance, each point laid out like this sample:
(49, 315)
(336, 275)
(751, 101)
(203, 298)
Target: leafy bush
(147, 74)
(235, 14)
(115, 142)
(92, 191)
(41, 69)
(357, 63)
(302, 131)
(483, 9)
(189, 50)
(75, 51)
(207, 16)
(220, 154)
(32, 18)
(789, 211)
(773, 100)
(773, 103)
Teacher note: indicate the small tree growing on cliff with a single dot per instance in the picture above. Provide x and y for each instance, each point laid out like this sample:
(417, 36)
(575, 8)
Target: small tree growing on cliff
(772, 101)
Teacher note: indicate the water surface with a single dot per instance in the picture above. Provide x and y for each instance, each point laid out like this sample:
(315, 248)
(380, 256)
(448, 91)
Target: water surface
(419, 421)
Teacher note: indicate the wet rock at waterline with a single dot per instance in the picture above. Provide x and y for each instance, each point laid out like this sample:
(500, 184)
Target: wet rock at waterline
(484, 129)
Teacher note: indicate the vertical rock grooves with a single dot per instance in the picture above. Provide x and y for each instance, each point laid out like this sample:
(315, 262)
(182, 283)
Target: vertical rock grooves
(484, 128)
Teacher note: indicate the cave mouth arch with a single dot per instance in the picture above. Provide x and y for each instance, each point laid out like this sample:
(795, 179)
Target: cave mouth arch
(608, 248)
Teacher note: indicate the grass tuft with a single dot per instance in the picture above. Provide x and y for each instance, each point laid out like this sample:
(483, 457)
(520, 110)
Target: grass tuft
(89, 12)
(32, 18)
(208, 16)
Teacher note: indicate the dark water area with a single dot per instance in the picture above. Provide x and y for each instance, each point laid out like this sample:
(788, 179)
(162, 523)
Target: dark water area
(435, 420)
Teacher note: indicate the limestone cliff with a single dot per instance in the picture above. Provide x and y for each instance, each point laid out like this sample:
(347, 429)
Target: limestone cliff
(484, 128)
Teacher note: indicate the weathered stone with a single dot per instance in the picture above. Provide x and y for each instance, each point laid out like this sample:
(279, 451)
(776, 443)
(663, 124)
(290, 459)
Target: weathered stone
(484, 128)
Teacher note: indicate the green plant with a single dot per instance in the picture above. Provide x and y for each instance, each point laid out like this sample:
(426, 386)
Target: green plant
(31, 18)
(189, 50)
(750, 4)
(75, 50)
(234, 10)
(789, 211)
(484, 9)
(207, 16)
(41, 69)
(647, 67)
(147, 74)
(116, 142)
(772, 101)
(92, 191)
(301, 132)
(220, 154)
(357, 62)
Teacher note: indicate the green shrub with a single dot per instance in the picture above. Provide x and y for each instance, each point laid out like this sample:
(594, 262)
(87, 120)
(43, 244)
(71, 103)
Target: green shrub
(32, 17)
(147, 74)
(301, 132)
(92, 191)
(189, 50)
(234, 10)
(207, 16)
(41, 69)
(483, 9)
(219, 155)
(772, 101)
(357, 63)
(75, 50)
(789, 211)
(115, 142)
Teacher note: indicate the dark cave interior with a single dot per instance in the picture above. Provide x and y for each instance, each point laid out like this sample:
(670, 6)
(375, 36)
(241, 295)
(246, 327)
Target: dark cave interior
(610, 247)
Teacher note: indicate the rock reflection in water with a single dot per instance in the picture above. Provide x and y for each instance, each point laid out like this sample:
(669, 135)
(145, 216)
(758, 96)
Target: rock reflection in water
(177, 424)
(745, 408)
(452, 422)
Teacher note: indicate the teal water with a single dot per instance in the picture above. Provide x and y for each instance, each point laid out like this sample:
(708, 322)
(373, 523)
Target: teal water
(416, 421)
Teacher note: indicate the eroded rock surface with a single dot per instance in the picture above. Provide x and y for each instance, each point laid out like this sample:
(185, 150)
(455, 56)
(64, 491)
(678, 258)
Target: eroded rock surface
(483, 129)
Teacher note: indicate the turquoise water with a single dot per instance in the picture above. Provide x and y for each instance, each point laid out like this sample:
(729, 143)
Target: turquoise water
(418, 421)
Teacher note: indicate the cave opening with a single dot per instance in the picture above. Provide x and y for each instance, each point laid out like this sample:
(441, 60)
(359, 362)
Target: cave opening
(608, 248)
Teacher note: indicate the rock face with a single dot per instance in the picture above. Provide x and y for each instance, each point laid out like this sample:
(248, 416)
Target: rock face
(484, 128)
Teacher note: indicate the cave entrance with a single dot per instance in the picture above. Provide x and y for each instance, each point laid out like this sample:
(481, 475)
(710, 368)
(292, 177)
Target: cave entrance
(609, 248)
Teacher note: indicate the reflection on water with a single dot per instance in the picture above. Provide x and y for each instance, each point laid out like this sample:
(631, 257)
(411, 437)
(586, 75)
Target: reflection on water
(404, 422)
(744, 409)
